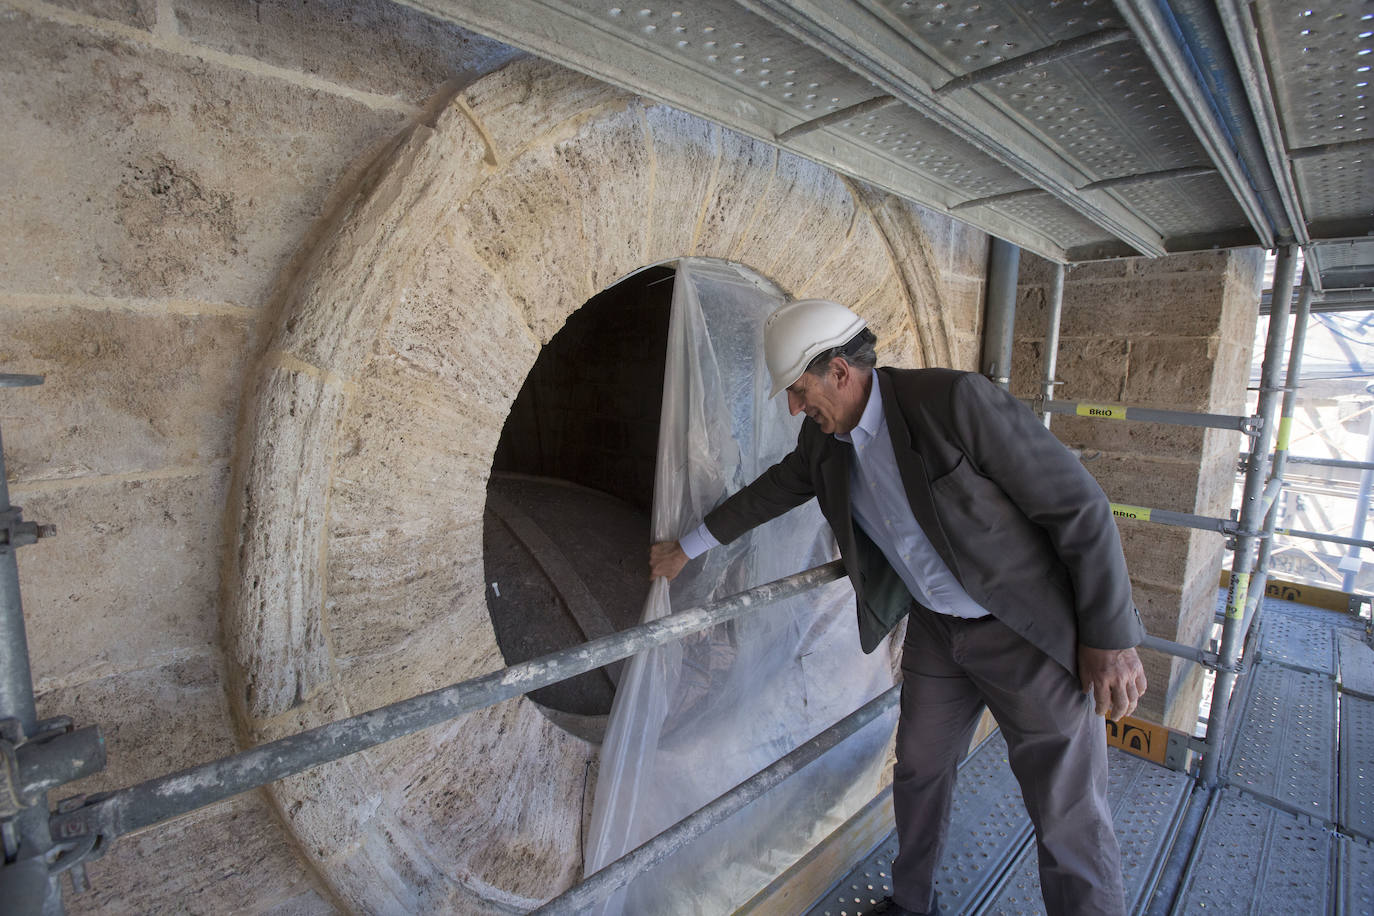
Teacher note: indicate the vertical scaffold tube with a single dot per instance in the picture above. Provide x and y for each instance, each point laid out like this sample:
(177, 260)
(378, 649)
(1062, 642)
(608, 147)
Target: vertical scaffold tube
(25, 884)
(1055, 307)
(1004, 259)
(1301, 312)
(1251, 513)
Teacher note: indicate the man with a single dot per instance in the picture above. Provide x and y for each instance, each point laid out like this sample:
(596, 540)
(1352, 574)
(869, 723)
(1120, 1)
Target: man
(951, 502)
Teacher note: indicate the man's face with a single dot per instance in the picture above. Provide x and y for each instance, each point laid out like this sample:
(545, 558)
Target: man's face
(834, 400)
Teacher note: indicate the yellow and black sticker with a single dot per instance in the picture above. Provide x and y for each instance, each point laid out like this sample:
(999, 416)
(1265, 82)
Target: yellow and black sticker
(1138, 737)
(1101, 411)
(1138, 513)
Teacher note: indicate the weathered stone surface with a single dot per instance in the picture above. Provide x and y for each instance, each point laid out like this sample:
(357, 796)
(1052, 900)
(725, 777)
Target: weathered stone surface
(737, 196)
(684, 150)
(131, 576)
(519, 223)
(1167, 305)
(457, 326)
(141, 14)
(1156, 483)
(887, 312)
(350, 283)
(806, 226)
(516, 107)
(234, 851)
(136, 172)
(386, 48)
(273, 618)
(113, 402)
(1173, 374)
(861, 265)
(607, 165)
(155, 720)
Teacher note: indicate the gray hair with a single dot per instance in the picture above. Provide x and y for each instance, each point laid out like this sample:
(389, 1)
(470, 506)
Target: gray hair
(860, 351)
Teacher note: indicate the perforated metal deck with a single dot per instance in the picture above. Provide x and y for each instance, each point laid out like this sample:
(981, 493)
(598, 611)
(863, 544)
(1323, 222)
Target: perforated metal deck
(990, 863)
(1356, 665)
(1147, 801)
(1285, 743)
(1357, 767)
(1297, 641)
(1253, 858)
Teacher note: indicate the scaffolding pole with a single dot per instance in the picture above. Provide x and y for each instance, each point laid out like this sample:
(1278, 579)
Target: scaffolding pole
(1056, 310)
(1251, 516)
(1290, 397)
(582, 897)
(1095, 411)
(165, 797)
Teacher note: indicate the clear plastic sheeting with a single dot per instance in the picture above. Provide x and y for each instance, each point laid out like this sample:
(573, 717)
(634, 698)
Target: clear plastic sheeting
(695, 718)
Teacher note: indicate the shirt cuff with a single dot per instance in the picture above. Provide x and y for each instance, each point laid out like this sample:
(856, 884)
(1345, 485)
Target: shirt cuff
(698, 542)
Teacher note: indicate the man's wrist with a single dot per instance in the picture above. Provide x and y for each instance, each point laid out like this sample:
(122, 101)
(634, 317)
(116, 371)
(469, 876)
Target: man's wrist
(697, 542)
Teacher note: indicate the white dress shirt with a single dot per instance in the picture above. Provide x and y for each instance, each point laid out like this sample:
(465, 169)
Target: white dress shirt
(879, 505)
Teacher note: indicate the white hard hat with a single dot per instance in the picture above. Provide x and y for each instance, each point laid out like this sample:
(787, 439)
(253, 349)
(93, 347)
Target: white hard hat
(796, 332)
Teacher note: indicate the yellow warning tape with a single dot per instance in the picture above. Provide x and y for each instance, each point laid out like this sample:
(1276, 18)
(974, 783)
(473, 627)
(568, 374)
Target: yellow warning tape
(1235, 610)
(1285, 430)
(1136, 512)
(1101, 411)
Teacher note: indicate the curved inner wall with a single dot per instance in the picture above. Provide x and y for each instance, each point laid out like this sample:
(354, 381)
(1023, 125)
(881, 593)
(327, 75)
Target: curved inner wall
(359, 489)
(568, 504)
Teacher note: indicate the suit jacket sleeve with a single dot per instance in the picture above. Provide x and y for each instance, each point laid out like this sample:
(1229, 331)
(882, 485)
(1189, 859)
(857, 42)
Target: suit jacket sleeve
(1009, 445)
(784, 486)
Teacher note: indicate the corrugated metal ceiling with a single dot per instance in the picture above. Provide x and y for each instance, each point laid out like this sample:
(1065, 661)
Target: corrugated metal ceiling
(1078, 129)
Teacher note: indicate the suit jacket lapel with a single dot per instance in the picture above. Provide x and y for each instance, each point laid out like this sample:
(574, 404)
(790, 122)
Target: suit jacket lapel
(914, 477)
(835, 473)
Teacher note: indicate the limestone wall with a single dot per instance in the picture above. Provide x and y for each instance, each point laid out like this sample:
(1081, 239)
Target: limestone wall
(253, 247)
(1173, 333)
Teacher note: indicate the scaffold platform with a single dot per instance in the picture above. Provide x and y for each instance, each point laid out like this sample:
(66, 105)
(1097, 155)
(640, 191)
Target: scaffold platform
(1290, 830)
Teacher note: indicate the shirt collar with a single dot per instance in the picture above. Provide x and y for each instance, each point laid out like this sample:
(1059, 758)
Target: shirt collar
(871, 422)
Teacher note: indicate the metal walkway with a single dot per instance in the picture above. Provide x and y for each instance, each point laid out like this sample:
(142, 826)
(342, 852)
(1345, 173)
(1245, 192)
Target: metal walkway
(1291, 830)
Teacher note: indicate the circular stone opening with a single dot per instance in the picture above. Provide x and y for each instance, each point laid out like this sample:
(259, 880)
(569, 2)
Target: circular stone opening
(566, 528)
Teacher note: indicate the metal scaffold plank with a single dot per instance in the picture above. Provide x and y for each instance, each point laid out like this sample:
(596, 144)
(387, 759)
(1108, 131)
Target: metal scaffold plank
(1285, 744)
(988, 826)
(1254, 858)
(1306, 644)
(1146, 802)
(1356, 787)
(1356, 665)
(1355, 876)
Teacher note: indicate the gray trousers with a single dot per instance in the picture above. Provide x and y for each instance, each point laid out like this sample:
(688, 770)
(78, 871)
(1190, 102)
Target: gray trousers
(1056, 744)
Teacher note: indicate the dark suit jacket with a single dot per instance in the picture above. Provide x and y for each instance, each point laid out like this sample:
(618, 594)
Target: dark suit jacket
(1025, 529)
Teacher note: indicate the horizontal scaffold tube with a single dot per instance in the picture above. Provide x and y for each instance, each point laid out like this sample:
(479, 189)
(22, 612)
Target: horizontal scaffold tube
(1247, 425)
(623, 870)
(171, 796)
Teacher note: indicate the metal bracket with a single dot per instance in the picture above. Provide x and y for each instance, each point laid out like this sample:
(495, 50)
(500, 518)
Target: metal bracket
(15, 532)
(1252, 426)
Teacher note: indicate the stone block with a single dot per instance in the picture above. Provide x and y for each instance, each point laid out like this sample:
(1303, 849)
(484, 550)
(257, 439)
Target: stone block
(138, 14)
(1171, 373)
(1092, 369)
(960, 250)
(356, 276)
(115, 401)
(231, 852)
(745, 173)
(607, 165)
(130, 578)
(273, 616)
(384, 48)
(155, 720)
(519, 221)
(1155, 483)
(860, 267)
(888, 313)
(1169, 305)
(456, 327)
(135, 172)
(309, 902)
(964, 298)
(801, 221)
(685, 150)
(1155, 553)
(528, 98)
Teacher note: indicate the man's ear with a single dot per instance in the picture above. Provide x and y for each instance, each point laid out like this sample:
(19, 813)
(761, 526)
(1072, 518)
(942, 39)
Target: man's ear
(844, 373)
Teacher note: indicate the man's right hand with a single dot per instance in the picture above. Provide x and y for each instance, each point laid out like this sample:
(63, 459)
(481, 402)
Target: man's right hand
(666, 559)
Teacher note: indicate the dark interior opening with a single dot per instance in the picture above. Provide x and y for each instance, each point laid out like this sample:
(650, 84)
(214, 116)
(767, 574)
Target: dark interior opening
(566, 529)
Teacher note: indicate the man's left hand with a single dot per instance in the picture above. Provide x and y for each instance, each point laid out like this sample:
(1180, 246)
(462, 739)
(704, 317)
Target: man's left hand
(1115, 677)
